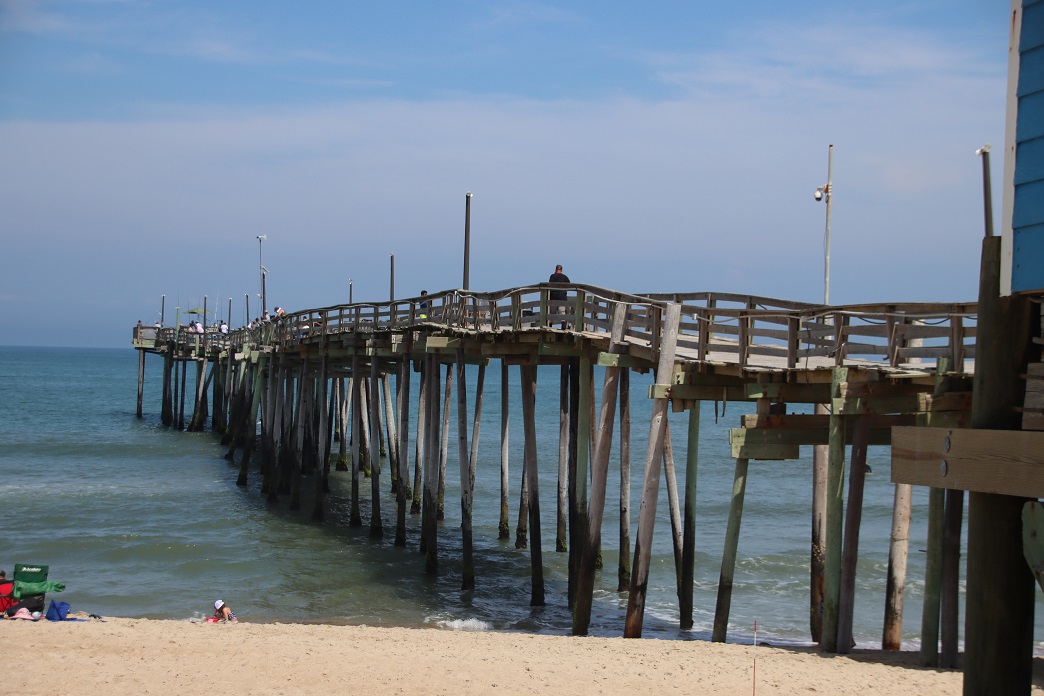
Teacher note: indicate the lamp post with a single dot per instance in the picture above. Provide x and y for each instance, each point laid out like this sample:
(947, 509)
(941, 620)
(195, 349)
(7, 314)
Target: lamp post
(467, 240)
(264, 300)
(827, 192)
(349, 291)
(391, 276)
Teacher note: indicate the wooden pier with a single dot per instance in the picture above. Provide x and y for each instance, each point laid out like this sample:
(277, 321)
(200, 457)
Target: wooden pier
(320, 376)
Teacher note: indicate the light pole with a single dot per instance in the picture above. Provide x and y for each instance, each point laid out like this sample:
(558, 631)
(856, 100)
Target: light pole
(264, 300)
(391, 283)
(467, 240)
(349, 291)
(987, 195)
(827, 192)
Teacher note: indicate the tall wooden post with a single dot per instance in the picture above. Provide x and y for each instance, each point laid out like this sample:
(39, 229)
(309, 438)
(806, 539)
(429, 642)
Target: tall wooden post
(623, 572)
(141, 378)
(376, 525)
(431, 469)
(953, 515)
(932, 579)
(673, 507)
(403, 402)
(689, 525)
(355, 516)
(898, 546)
(853, 520)
(651, 485)
(468, 565)
(728, 559)
(834, 519)
(504, 528)
(561, 542)
(392, 430)
(998, 627)
(529, 384)
(599, 478)
(422, 437)
(820, 459)
(440, 508)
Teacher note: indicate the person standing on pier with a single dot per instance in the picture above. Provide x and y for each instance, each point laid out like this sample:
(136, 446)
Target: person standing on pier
(558, 297)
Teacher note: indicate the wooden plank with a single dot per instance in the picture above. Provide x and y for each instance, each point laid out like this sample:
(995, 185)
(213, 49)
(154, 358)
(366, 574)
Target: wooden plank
(739, 437)
(1008, 462)
(810, 421)
(775, 452)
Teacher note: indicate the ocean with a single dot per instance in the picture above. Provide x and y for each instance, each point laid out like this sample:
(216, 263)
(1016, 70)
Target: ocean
(139, 520)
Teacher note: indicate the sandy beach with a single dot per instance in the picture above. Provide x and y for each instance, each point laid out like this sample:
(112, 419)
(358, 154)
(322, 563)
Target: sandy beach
(140, 656)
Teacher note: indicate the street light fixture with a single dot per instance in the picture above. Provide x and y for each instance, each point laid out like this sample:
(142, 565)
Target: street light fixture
(827, 192)
(264, 271)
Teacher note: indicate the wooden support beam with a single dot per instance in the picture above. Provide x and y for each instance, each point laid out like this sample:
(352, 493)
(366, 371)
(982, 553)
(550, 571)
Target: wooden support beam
(689, 524)
(651, 485)
(623, 573)
(853, 520)
(529, 383)
(404, 492)
(728, 560)
(898, 546)
(599, 477)
(834, 523)
(504, 528)
(984, 461)
(468, 564)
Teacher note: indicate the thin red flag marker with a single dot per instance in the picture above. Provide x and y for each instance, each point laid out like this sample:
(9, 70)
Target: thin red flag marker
(755, 679)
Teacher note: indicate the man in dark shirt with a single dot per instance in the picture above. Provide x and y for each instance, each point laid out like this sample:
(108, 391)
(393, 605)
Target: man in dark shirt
(558, 297)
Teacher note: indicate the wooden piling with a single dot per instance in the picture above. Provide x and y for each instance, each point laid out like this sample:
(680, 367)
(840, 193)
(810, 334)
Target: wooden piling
(688, 565)
(504, 528)
(355, 516)
(468, 565)
(392, 432)
(431, 468)
(376, 526)
(820, 461)
(672, 504)
(529, 383)
(599, 477)
(444, 445)
(322, 453)
(728, 560)
(953, 515)
(422, 438)
(141, 379)
(850, 548)
(932, 579)
(623, 572)
(898, 545)
(561, 538)
(650, 488)
(404, 492)
(834, 520)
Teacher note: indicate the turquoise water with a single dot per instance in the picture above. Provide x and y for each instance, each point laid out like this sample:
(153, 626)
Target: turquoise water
(140, 520)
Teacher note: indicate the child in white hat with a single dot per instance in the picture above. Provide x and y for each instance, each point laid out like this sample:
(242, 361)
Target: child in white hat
(221, 611)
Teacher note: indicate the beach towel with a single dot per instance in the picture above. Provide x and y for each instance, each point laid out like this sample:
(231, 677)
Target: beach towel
(58, 611)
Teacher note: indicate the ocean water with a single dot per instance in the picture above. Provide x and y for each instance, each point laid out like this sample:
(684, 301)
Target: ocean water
(141, 520)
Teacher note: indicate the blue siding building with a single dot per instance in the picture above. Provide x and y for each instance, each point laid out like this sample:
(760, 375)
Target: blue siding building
(1024, 167)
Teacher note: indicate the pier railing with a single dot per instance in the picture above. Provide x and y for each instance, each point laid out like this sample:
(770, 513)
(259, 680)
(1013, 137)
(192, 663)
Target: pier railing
(718, 327)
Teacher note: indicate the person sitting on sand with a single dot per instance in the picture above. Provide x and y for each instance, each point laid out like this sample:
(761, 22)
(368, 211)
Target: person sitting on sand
(221, 611)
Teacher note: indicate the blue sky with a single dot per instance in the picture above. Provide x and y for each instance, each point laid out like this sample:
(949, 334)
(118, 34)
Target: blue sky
(647, 147)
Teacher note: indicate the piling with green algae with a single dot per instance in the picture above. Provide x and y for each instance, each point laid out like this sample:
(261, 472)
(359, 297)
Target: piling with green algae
(529, 383)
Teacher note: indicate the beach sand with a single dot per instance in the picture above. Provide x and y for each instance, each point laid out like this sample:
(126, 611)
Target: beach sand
(141, 656)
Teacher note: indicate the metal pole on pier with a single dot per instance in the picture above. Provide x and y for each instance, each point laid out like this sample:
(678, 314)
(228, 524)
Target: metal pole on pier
(163, 309)
(391, 289)
(349, 291)
(264, 300)
(827, 193)
(467, 241)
